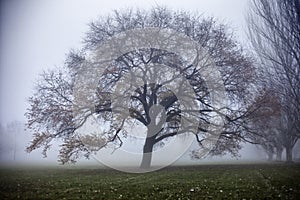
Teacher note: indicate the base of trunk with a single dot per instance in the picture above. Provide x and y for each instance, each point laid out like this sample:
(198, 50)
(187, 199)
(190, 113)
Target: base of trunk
(278, 155)
(146, 161)
(147, 153)
(289, 155)
(270, 156)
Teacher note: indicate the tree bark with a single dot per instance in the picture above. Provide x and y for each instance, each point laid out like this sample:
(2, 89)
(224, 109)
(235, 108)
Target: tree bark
(270, 156)
(147, 153)
(289, 154)
(278, 154)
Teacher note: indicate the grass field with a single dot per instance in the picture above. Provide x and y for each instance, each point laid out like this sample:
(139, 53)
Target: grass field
(259, 181)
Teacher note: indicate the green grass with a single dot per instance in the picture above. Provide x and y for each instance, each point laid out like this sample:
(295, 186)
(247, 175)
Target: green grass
(260, 181)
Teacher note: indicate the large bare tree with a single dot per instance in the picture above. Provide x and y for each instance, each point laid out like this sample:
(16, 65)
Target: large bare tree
(274, 28)
(151, 104)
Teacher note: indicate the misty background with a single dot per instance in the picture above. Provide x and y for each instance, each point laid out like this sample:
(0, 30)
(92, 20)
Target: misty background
(36, 35)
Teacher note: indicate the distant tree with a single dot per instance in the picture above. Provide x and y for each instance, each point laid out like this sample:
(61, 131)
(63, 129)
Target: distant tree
(9, 135)
(2, 143)
(51, 116)
(266, 123)
(274, 29)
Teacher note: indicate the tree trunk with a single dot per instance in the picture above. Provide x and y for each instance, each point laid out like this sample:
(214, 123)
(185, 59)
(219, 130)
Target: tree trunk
(289, 154)
(147, 153)
(270, 156)
(279, 154)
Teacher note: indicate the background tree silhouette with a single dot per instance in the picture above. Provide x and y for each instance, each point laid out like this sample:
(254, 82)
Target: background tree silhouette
(267, 123)
(274, 30)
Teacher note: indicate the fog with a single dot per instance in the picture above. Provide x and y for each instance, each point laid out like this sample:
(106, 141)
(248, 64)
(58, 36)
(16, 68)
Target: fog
(36, 35)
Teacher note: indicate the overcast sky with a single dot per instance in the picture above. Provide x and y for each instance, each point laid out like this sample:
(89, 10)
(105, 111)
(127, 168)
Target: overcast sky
(36, 35)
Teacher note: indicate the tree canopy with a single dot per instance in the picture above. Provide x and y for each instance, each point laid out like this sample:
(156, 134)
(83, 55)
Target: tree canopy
(154, 98)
